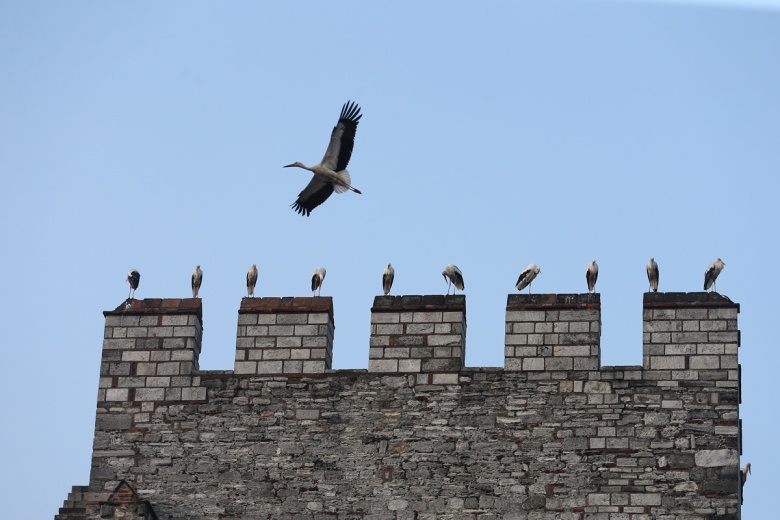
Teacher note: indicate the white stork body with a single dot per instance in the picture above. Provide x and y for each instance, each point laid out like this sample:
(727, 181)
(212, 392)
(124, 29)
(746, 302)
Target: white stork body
(251, 280)
(133, 278)
(331, 173)
(387, 279)
(316, 280)
(652, 275)
(527, 276)
(453, 276)
(197, 279)
(743, 474)
(711, 274)
(591, 275)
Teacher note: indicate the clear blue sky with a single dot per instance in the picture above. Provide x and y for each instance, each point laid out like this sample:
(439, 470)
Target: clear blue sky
(152, 135)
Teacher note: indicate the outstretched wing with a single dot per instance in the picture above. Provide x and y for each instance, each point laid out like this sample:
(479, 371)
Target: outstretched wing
(342, 139)
(314, 194)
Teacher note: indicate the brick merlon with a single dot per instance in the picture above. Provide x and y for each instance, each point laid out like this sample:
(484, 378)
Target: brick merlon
(158, 306)
(672, 300)
(434, 302)
(523, 302)
(286, 305)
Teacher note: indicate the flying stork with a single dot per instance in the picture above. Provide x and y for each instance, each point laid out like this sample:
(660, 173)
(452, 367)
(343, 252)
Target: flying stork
(453, 276)
(197, 278)
(652, 275)
(133, 278)
(387, 279)
(251, 280)
(316, 280)
(591, 275)
(527, 276)
(331, 173)
(711, 274)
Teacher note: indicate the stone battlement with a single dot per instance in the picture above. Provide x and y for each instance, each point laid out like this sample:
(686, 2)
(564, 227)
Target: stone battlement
(551, 435)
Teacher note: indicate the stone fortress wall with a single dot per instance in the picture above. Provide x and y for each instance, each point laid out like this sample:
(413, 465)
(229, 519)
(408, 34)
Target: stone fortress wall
(551, 435)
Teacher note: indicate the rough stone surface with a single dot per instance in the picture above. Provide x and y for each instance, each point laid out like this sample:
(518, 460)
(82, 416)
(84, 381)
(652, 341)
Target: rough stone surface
(527, 442)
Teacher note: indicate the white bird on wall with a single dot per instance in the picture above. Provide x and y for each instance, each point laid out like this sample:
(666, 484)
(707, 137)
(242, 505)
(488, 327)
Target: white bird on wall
(711, 274)
(591, 275)
(527, 276)
(316, 280)
(331, 173)
(197, 279)
(251, 280)
(743, 474)
(453, 276)
(652, 275)
(387, 279)
(133, 278)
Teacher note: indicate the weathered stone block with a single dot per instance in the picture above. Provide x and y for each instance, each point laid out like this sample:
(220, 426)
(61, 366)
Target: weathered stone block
(385, 317)
(704, 362)
(245, 367)
(383, 365)
(270, 367)
(409, 365)
(716, 458)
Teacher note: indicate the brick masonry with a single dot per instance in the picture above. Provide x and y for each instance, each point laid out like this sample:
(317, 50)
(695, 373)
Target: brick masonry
(418, 334)
(285, 336)
(572, 440)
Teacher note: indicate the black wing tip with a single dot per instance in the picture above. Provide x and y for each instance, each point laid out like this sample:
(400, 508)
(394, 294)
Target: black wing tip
(301, 210)
(350, 112)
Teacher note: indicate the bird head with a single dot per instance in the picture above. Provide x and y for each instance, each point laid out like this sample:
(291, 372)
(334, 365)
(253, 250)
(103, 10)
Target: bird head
(296, 165)
(747, 467)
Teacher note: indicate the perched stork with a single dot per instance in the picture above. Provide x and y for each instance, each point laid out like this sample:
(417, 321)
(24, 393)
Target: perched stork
(652, 275)
(197, 279)
(591, 275)
(331, 173)
(316, 280)
(527, 276)
(387, 279)
(251, 280)
(133, 278)
(453, 276)
(711, 274)
(743, 474)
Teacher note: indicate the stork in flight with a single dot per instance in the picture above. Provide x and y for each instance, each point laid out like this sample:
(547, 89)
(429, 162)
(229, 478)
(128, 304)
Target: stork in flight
(133, 278)
(652, 275)
(331, 173)
(711, 274)
(251, 280)
(316, 280)
(197, 279)
(591, 275)
(387, 279)
(527, 276)
(453, 276)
